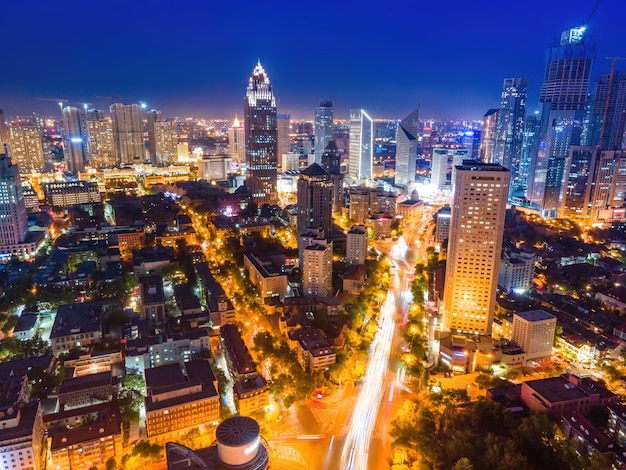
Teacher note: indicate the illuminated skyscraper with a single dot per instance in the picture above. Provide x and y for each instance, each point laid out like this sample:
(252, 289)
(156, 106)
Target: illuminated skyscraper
(407, 134)
(26, 147)
(360, 157)
(578, 176)
(237, 141)
(100, 131)
(128, 143)
(474, 245)
(4, 130)
(323, 128)
(13, 219)
(530, 140)
(331, 162)
(488, 136)
(162, 139)
(609, 100)
(283, 124)
(510, 126)
(317, 268)
(261, 137)
(562, 101)
(75, 139)
(315, 198)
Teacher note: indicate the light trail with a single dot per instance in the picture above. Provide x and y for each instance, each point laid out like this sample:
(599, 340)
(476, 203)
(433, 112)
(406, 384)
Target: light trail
(363, 419)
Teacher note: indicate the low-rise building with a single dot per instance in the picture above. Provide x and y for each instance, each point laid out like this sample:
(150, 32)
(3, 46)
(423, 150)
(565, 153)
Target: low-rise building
(502, 328)
(313, 349)
(410, 208)
(86, 390)
(21, 438)
(614, 298)
(186, 300)
(95, 362)
(517, 270)
(267, 273)
(178, 402)
(534, 332)
(616, 424)
(354, 279)
(71, 193)
(27, 325)
(221, 310)
(592, 439)
(152, 299)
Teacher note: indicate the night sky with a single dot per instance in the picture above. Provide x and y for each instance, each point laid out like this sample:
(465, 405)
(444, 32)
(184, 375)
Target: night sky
(193, 58)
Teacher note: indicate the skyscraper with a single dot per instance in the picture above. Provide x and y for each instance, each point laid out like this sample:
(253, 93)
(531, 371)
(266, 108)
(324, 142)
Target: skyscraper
(562, 101)
(237, 141)
(283, 124)
(529, 148)
(315, 197)
(162, 139)
(261, 137)
(474, 245)
(407, 135)
(128, 143)
(13, 219)
(323, 128)
(75, 139)
(26, 147)
(609, 101)
(317, 268)
(100, 131)
(331, 162)
(360, 157)
(488, 136)
(4, 130)
(510, 126)
(578, 176)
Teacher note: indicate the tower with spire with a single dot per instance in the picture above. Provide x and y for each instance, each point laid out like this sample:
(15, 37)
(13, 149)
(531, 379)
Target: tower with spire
(261, 135)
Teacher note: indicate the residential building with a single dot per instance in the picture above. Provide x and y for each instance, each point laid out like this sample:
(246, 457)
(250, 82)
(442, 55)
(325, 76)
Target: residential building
(26, 146)
(237, 141)
(510, 126)
(323, 128)
(93, 362)
(407, 135)
(317, 269)
(442, 227)
(72, 193)
(476, 230)
(14, 222)
(356, 245)
(616, 424)
(315, 199)
(591, 439)
(100, 132)
(314, 351)
(267, 273)
(152, 299)
(517, 271)
(260, 123)
(360, 156)
(21, 437)
(162, 139)
(354, 279)
(489, 136)
(86, 390)
(180, 398)
(607, 113)
(75, 139)
(534, 331)
(128, 146)
(367, 201)
(563, 99)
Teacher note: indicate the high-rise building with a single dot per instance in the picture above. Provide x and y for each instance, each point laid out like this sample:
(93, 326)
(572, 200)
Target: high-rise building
(442, 227)
(471, 141)
(4, 129)
(162, 139)
(323, 128)
(128, 143)
(13, 219)
(261, 137)
(317, 269)
(510, 126)
(608, 191)
(578, 177)
(237, 141)
(443, 163)
(562, 101)
(331, 162)
(407, 135)
(534, 332)
(607, 113)
(283, 124)
(474, 245)
(315, 197)
(489, 135)
(360, 157)
(530, 140)
(75, 139)
(356, 245)
(100, 131)
(26, 147)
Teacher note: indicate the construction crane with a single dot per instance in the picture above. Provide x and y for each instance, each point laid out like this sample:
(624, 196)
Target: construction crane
(608, 96)
(59, 101)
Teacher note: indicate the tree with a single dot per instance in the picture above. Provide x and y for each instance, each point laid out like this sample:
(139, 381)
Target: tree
(111, 464)
(463, 464)
(134, 381)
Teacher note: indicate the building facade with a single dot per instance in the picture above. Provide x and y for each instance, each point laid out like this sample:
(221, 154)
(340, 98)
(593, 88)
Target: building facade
(534, 331)
(317, 269)
(75, 139)
(323, 128)
(407, 135)
(26, 146)
(489, 136)
(356, 245)
(360, 157)
(128, 146)
(315, 199)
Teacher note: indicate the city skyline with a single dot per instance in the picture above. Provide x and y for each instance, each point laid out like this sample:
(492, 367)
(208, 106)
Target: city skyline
(208, 78)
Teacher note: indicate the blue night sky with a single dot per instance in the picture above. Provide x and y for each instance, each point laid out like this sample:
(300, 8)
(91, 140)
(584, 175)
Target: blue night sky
(193, 58)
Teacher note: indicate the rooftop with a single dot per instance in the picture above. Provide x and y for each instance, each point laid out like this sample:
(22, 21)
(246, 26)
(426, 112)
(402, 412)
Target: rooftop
(87, 433)
(84, 382)
(152, 290)
(535, 315)
(80, 317)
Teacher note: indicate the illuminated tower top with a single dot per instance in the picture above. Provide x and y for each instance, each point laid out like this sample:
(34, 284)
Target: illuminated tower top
(259, 87)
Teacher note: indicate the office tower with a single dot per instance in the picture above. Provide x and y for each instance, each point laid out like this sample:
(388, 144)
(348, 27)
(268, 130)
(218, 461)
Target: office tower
(488, 136)
(530, 139)
(562, 100)
(331, 162)
(609, 187)
(128, 143)
(4, 129)
(13, 219)
(443, 163)
(510, 126)
(476, 230)
(237, 141)
(407, 134)
(356, 245)
(261, 136)
(283, 123)
(471, 141)
(317, 268)
(607, 113)
(578, 176)
(442, 227)
(100, 131)
(315, 196)
(323, 128)
(26, 147)
(361, 145)
(534, 331)
(75, 139)
(162, 139)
